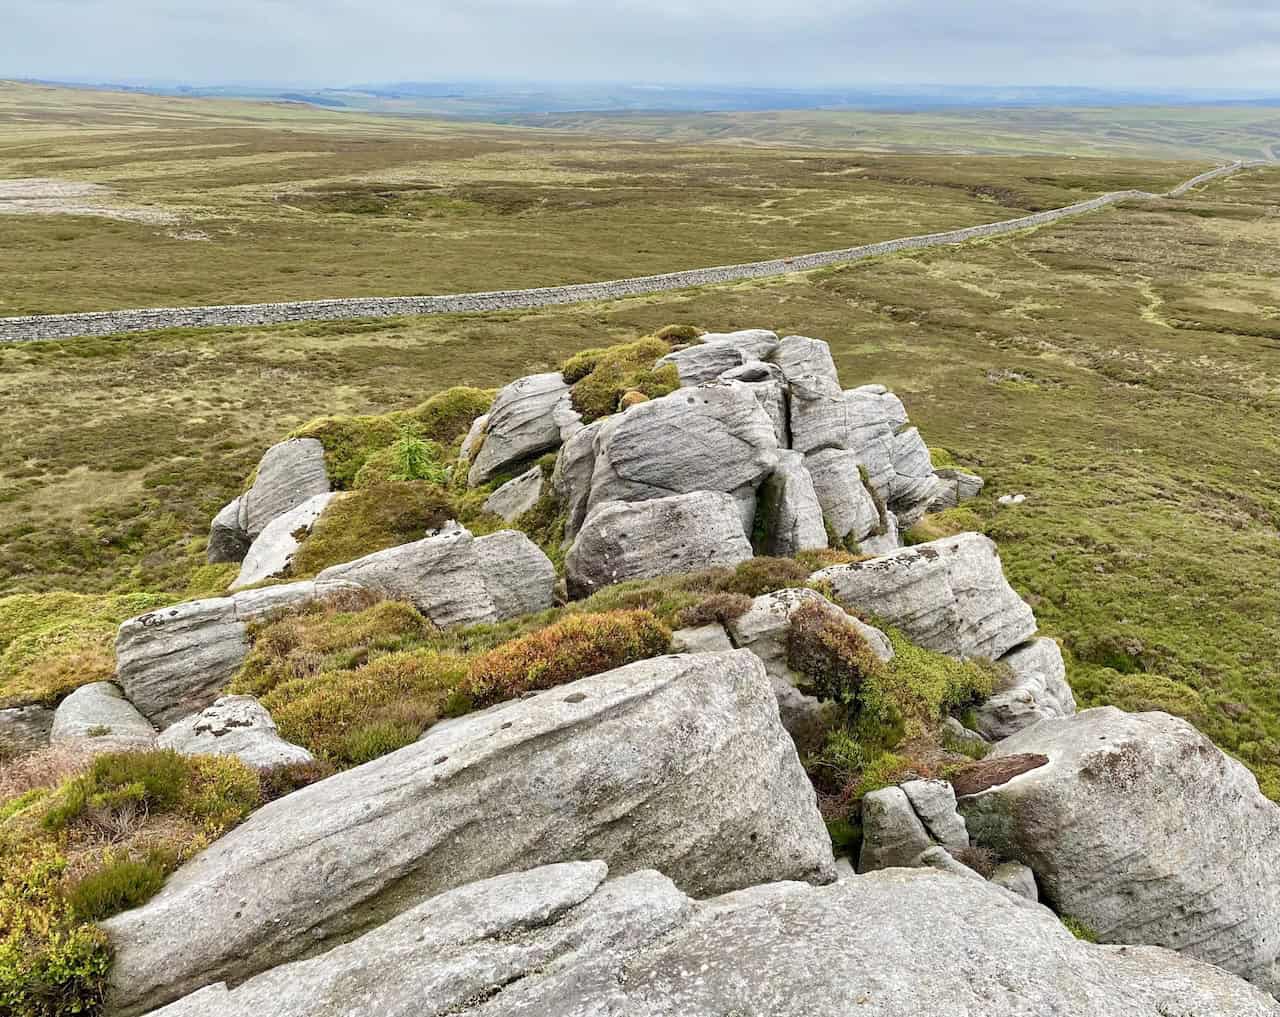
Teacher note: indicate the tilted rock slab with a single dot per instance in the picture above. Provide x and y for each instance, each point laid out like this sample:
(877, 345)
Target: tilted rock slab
(517, 496)
(659, 537)
(767, 385)
(948, 595)
(563, 940)
(571, 478)
(793, 513)
(914, 484)
(237, 726)
(677, 763)
(874, 415)
(520, 425)
(1039, 690)
(273, 550)
(846, 503)
(98, 717)
(1141, 828)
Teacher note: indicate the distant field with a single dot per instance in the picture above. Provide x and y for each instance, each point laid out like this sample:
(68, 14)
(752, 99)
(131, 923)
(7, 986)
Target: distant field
(183, 201)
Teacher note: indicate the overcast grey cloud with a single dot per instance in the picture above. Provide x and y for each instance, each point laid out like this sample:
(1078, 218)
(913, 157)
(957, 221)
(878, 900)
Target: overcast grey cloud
(1108, 43)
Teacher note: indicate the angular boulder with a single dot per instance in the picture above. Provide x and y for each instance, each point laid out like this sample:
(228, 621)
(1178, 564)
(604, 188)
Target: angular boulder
(517, 496)
(23, 729)
(289, 473)
(237, 726)
(957, 486)
(767, 385)
(893, 837)
(520, 425)
(227, 540)
(817, 409)
(948, 595)
(273, 550)
(677, 762)
(1038, 689)
(710, 638)
(934, 802)
(792, 514)
(518, 575)
(98, 717)
(847, 505)
(1141, 828)
(702, 363)
(683, 533)
(755, 343)
(571, 478)
(874, 416)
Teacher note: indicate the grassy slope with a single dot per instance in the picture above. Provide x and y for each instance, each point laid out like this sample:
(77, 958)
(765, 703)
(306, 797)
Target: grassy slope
(295, 203)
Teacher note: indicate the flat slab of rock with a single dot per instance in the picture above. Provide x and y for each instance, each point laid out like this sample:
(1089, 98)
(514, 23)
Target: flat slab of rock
(948, 595)
(683, 533)
(97, 716)
(521, 424)
(237, 726)
(678, 763)
(1141, 828)
(517, 496)
(1039, 690)
(564, 940)
(701, 639)
(273, 550)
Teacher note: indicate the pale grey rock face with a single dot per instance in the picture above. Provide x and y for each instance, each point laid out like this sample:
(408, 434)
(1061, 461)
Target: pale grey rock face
(273, 550)
(518, 575)
(817, 412)
(914, 485)
(710, 638)
(23, 729)
(699, 364)
(795, 522)
(227, 540)
(956, 486)
(755, 343)
(1039, 690)
(571, 478)
(846, 503)
(549, 942)
(948, 595)
(1017, 878)
(237, 726)
(568, 420)
(1141, 828)
(99, 718)
(517, 496)
(766, 384)
(684, 533)
(440, 575)
(251, 605)
(677, 763)
(883, 543)
(711, 438)
(874, 416)
(934, 802)
(475, 433)
(892, 834)
(521, 425)
(288, 474)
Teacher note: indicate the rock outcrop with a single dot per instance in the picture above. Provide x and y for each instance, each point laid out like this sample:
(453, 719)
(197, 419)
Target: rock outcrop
(517, 496)
(1038, 690)
(847, 506)
(566, 940)
(948, 595)
(713, 794)
(792, 513)
(237, 726)
(98, 717)
(1141, 828)
(662, 536)
(273, 550)
(520, 425)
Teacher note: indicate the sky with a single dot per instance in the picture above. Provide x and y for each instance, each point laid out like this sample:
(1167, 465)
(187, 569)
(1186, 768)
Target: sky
(1233, 44)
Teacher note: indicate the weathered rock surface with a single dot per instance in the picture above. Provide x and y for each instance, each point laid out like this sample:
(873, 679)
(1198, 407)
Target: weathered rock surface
(683, 533)
(227, 540)
(288, 474)
(948, 595)
(846, 503)
(892, 834)
(521, 425)
(273, 550)
(237, 726)
(957, 486)
(571, 478)
(1141, 828)
(882, 543)
(755, 343)
(767, 385)
(935, 803)
(710, 438)
(24, 728)
(874, 415)
(517, 496)
(914, 484)
(677, 763)
(794, 514)
(1039, 689)
(1017, 878)
(564, 941)
(97, 716)
(702, 363)
(470, 443)
(567, 419)
(817, 408)
(961, 734)
(518, 575)
(710, 638)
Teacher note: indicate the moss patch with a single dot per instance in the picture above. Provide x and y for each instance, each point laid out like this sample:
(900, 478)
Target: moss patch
(599, 378)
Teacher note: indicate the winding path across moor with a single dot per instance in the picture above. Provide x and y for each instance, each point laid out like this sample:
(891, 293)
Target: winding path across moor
(96, 323)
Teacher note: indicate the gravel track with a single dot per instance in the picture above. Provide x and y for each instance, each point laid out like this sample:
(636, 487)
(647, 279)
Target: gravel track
(32, 328)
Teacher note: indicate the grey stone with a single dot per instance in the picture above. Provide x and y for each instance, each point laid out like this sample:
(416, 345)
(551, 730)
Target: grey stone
(571, 478)
(518, 575)
(567, 419)
(702, 363)
(683, 533)
(98, 717)
(517, 496)
(24, 729)
(892, 834)
(914, 484)
(755, 343)
(711, 438)
(934, 802)
(227, 540)
(677, 762)
(558, 941)
(882, 543)
(874, 416)
(794, 521)
(710, 638)
(948, 595)
(938, 857)
(958, 732)
(471, 443)
(957, 486)
(755, 372)
(769, 388)
(816, 402)
(250, 605)
(273, 550)
(844, 869)
(237, 726)
(846, 503)
(288, 474)
(1017, 878)
(1038, 690)
(1139, 827)
(521, 425)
